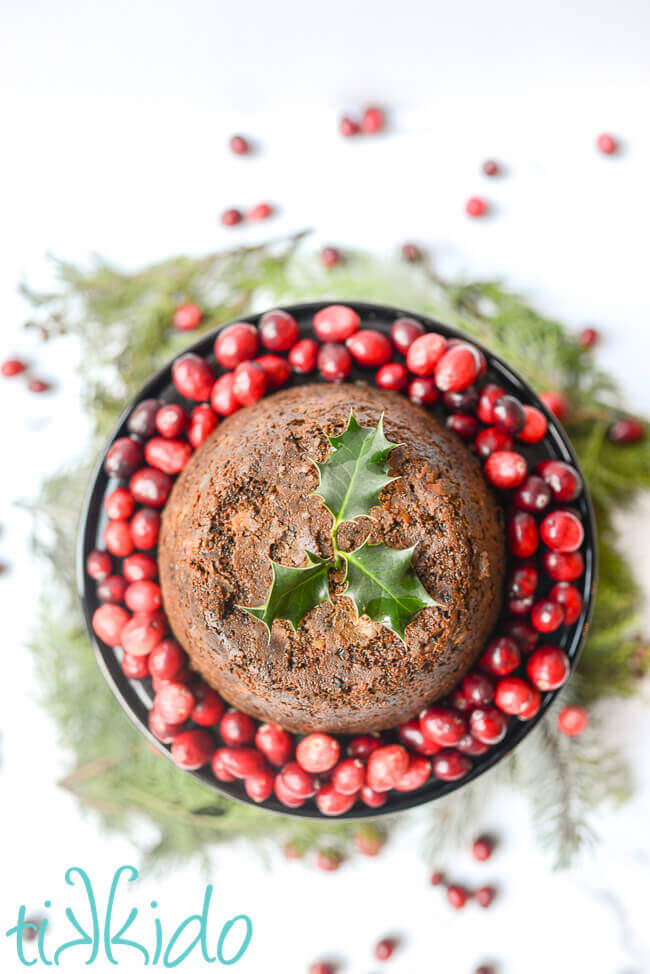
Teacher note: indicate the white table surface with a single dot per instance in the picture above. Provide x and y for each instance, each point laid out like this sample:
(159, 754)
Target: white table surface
(113, 126)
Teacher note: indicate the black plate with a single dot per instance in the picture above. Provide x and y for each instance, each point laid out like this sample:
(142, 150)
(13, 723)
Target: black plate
(136, 696)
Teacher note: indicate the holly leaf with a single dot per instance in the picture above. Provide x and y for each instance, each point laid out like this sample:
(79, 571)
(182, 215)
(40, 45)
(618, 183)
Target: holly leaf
(353, 474)
(293, 592)
(383, 585)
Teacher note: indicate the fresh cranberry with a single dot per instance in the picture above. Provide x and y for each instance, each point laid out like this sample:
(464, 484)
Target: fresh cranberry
(167, 455)
(328, 860)
(386, 766)
(488, 725)
(393, 376)
(231, 217)
(556, 403)
(143, 632)
(171, 420)
(456, 896)
(509, 415)
(442, 725)
(184, 676)
(369, 842)
(471, 745)
(348, 776)
(536, 701)
(369, 348)
(208, 707)
(348, 127)
(317, 753)
(404, 331)
(362, 746)
(411, 253)
(218, 768)
(259, 786)
(236, 344)
(135, 667)
(521, 606)
(423, 391)
(437, 879)
(548, 667)
(484, 896)
(512, 695)
(112, 589)
(534, 494)
(463, 425)
(143, 597)
(138, 567)
(385, 949)
(166, 659)
(462, 401)
(187, 316)
(109, 622)
(239, 145)
(572, 720)
(250, 382)
(223, 399)
(606, 144)
(336, 323)
(145, 527)
(261, 211)
(203, 420)
(372, 798)
(524, 635)
(478, 688)
(192, 376)
(237, 728)
(278, 331)
(476, 206)
(332, 802)
(411, 735)
(523, 534)
(299, 782)
(564, 567)
(458, 368)
(505, 469)
(523, 581)
(123, 457)
(119, 504)
(535, 427)
(274, 743)
(490, 394)
(142, 421)
(159, 727)
(491, 440)
(330, 256)
(569, 598)
(99, 565)
(588, 337)
(192, 749)
(482, 849)
(117, 538)
(424, 353)
(490, 167)
(417, 773)
(458, 701)
(547, 616)
(38, 385)
(626, 431)
(563, 479)
(372, 121)
(11, 367)
(501, 656)
(334, 362)
(174, 702)
(562, 531)
(242, 761)
(303, 356)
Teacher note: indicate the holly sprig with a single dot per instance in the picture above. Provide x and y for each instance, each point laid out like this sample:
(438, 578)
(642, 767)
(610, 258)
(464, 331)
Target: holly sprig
(380, 580)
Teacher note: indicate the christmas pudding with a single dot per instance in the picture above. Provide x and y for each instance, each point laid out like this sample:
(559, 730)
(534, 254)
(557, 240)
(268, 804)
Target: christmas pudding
(247, 499)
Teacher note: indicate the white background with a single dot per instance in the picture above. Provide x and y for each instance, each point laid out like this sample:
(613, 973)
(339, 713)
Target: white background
(113, 129)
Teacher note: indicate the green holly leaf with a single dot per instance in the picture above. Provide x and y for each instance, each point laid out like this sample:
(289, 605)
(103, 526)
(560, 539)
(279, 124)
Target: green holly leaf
(384, 586)
(293, 592)
(353, 474)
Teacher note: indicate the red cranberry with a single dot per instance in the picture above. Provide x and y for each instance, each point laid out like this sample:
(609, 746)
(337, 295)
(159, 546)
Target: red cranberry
(249, 383)
(512, 695)
(123, 457)
(490, 394)
(237, 728)
(588, 337)
(318, 753)
(569, 598)
(203, 421)
(457, 897)
(458, 368)
(423, 392)
(393, 376)
(117, 538)
(109, 622)
(548, 667)
(278, 331)
(231, 217)
(442, 725)
(138, 567)
(303, 355)
(482, 849)
(238, 145)
(223, 399)
(547, 616)
(476, 206)
(562, 531)
(187, 316)
(236, 344)
(166, 660)
(505, 469)
(372, 798)
(174, 702)
(488, 725)
(404, 331)
(450, 765)
(626, 431)
(417, 773)
(411, 253)
(119, 504)
(336, 323)
(330, 256)
(529, 712)
(111, 589)
(524, 635)
(563, 479)
(556, 403)
(501, 656)
(484, 896)
(145, 527)
(471, 745)
(564, 567)
(349, 776)
(520, 607)
(535, 427)
(192, 376)
(208, 707)
(478, 688)
(369, 348)
(261, 211)
(508, 414)
(328, 860)
(385, 949)
(370, 842)
(170, 456)
(572, 720)
(606, 144)
(275, 744)
(142, 633)
(219, 770)
(437, 879)
(463, 401)
(171, 420)
(143, 597)
(411, 735)
(491, 440)
(299, 782)
(259, 786)
(38, 385)
(158, 726)
(192, 749)
(11, 367)
(386, 766)
(142, 421)
(362, 746)
(334, 362)
(99, 565)
(348, 127)
(135, 667)
(523, 535)
(490, 167)
(523, 581)
(332, 802)
(242, 761)
(534, 494)
(424, 353)
(463, 425)
(372, 121)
